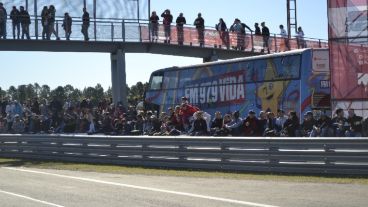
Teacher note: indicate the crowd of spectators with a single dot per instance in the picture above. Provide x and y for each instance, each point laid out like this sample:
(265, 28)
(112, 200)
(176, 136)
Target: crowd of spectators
(237, 27)
(21, 20)
(108, 118)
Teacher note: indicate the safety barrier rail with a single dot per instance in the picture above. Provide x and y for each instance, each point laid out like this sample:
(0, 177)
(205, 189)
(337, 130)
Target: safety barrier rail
(129, 30)
(286, 155)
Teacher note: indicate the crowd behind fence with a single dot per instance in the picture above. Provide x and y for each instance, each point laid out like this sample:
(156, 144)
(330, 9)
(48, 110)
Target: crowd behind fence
(65, 116)
(134, 30)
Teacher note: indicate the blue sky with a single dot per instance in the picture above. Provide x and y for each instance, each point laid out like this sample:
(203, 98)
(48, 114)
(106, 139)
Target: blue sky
(88, 69)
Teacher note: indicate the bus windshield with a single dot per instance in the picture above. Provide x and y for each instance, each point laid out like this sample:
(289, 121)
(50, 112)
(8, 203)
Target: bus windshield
(156, 81)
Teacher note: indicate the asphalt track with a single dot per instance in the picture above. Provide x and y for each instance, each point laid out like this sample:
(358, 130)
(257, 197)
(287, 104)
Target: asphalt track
(39, 187)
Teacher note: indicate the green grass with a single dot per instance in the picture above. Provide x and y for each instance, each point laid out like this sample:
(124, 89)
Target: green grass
(179, 173)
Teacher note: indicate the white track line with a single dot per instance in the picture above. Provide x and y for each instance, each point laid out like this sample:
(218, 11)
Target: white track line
(29, 198)
(145, 188)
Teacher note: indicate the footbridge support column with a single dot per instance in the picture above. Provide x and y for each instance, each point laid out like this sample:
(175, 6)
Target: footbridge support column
(118, 78)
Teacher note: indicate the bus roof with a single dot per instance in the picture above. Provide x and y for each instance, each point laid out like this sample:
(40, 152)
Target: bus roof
(236, 60)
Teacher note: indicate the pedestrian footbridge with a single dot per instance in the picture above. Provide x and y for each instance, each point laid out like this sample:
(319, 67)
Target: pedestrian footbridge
(120, 36)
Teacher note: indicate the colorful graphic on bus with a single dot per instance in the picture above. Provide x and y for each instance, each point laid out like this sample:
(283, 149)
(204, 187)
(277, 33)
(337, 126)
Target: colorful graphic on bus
(298, 80)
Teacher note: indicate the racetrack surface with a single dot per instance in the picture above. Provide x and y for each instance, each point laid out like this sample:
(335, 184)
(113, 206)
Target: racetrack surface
(41, 187)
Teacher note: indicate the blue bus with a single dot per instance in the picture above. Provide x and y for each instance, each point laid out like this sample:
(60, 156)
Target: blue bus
(297, 80)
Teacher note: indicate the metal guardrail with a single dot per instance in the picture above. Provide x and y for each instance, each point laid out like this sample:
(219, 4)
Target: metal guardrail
(287, 155)
(129, 30)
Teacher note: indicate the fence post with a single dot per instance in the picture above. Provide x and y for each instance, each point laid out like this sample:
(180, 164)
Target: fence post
(36, 19)
(252, 39)
(112, 32)
(95, 29)
(275, 43)
(319, 43)
(57, 29)
(140, 32)
(123, 30)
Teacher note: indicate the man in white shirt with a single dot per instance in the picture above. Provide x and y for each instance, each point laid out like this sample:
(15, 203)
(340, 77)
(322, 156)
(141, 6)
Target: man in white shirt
(284, 44)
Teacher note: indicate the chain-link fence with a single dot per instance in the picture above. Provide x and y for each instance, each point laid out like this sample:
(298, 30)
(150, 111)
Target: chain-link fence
(111, 9)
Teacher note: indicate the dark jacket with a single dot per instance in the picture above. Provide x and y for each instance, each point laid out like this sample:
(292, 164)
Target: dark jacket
(14, 16)
(356, 124)
(265, 31)
(291, 126)
(199, 23)
(168, 18)
(217, 123)
(200, 125)
(154, 19)
(24, 17)
(85, 18)
(180, 21)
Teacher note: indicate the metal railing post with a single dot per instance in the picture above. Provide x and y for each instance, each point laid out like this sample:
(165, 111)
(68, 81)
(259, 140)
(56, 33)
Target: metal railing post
(275, 42)
(57, 29)
(252, 39)
(36, 19)
(123, 30)
(95, 29)
(319, 43)
(112, 32)
(140, 32)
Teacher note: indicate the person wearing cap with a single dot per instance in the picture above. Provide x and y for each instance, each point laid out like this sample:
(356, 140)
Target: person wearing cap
(67, 25)
(262, 123)
(308, 123)
(251, 125)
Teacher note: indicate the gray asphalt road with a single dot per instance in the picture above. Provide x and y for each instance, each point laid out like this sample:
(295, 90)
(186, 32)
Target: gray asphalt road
(35, 187)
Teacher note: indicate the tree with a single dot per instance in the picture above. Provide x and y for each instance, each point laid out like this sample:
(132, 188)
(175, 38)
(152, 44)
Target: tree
(58, 93)
(30, 91)
(98, 93)
(68, 89)
(22, 93)
(13, 92)
(45, 92)
(75, 95)
(37, 89)
(2, 93)
(136, 93)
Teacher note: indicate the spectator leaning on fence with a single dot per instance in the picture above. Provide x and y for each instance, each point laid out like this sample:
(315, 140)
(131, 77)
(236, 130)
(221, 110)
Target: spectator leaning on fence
(154, 26)
(67, 25)
(284, 45)
(44, 22)
(300, 38)
(180, 22)
(221, 27)
(25, 21)
(199, 24)
(85, 24)
(3, 19)
(167, 20)
(15, 17)
(266, 37)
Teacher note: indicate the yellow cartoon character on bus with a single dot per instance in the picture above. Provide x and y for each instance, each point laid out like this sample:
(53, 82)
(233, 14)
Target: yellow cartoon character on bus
(270, 91)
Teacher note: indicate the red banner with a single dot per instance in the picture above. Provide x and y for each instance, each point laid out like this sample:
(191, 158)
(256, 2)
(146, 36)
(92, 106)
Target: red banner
(348, 37)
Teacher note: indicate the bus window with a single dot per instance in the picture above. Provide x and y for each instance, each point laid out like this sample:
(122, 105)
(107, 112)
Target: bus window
(156, 82)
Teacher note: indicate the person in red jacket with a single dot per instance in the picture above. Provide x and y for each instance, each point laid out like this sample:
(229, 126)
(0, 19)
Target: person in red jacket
(186, 113)
(250, 125)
